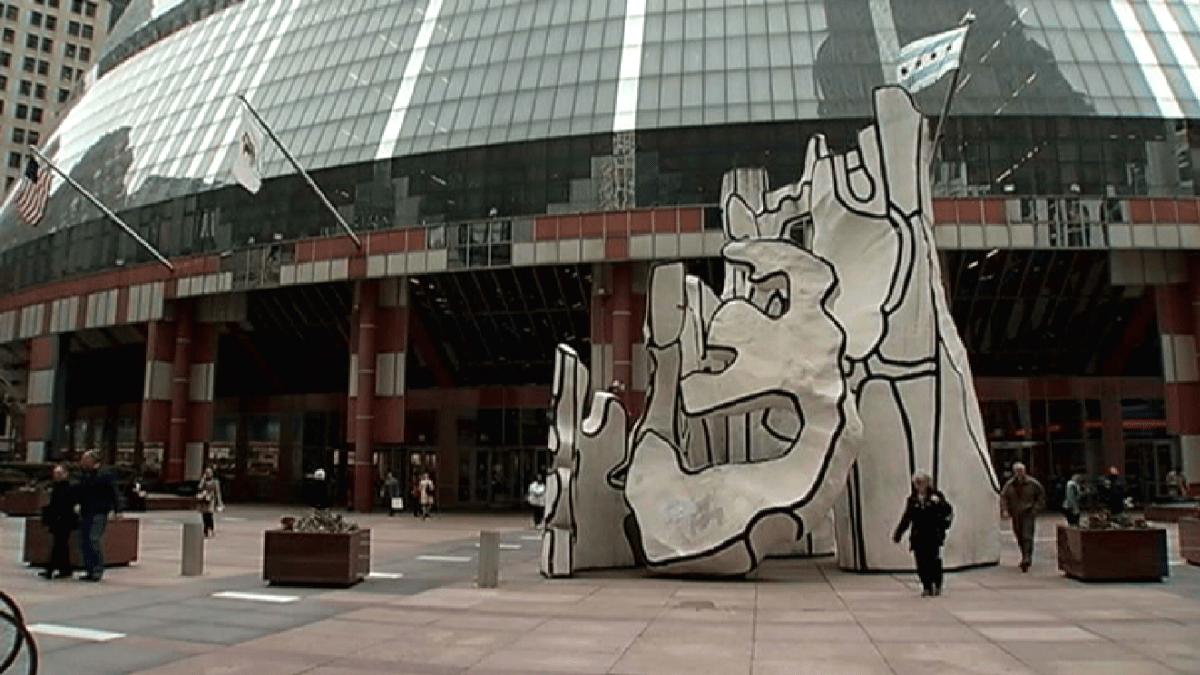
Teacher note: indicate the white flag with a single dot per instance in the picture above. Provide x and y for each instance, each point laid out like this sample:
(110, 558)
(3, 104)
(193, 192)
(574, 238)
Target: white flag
(925, 61)
(246, 154)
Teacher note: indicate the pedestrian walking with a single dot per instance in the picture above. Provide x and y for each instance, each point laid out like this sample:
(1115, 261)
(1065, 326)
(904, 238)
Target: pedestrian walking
(97, 494)
(536, 496)
(927, 516)
(59, 518)
(1115, 492)
(427, 491)
(393, 495)
(209, 494)
(415, 493)
(320, 490)
(1073, 494)
(1176, 483)
(1022, 497)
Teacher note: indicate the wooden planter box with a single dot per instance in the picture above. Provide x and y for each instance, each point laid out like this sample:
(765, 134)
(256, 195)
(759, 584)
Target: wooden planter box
(1171, 513)
(1113, 555)
(317, 558)
(1189, 539)
(121, 538)
(24, 503)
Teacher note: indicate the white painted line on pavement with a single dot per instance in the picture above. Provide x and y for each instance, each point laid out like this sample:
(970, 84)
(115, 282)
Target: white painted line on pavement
(505, 547)
(256, 597)
(530, 537)
(385, 575)
(233, 519)
(445, 558)
(91, 634)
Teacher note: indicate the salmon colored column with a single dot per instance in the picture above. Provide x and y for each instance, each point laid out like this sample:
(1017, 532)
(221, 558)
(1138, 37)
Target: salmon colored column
(176, 451)
(364, 420)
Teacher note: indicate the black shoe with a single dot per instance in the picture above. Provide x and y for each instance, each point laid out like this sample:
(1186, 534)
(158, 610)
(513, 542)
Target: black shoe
(1025, 566)
(90, 577)
(46, 574)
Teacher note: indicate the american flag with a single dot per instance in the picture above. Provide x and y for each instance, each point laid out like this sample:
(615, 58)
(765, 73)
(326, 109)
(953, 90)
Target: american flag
(35, 189)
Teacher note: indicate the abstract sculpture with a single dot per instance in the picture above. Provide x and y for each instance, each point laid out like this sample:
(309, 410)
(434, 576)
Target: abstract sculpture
(827, 371)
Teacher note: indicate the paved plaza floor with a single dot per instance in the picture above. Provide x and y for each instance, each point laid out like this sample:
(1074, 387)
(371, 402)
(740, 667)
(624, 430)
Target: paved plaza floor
(419, 614)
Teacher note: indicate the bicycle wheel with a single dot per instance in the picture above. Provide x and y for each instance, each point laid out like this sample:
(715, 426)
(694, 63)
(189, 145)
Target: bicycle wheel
(18, 648)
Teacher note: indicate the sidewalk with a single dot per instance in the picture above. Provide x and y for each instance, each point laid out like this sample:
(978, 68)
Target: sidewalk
(796, 616)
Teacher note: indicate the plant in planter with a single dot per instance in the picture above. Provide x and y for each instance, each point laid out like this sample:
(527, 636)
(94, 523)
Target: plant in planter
(321, 548)
(1113, 547)
(26, 500)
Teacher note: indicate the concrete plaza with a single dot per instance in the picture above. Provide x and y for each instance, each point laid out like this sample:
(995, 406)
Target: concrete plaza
(419, 614)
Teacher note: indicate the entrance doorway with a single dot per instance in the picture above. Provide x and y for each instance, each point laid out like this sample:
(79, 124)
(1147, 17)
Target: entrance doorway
(407, 464)
(498, 478)
(1146, 465)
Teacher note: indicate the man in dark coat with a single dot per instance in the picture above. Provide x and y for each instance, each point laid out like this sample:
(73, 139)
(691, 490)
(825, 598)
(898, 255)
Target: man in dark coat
(59, 518)
(928, 514)
(1022, 497)
(98, 496)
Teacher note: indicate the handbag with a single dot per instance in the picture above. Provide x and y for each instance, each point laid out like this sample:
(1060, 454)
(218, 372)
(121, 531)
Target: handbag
(397, 503)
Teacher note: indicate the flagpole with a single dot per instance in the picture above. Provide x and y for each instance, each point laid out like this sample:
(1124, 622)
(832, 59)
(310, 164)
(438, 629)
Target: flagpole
(104, 209)
(967, 20)
(307, 178)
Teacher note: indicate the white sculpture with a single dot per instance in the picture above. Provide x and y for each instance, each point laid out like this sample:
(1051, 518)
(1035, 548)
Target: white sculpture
(827, 372)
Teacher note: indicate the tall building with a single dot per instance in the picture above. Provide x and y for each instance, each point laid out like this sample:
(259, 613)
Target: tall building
(514, 168)
(46, 48)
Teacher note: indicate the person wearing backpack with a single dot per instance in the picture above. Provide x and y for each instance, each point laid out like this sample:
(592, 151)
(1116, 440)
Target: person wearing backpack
(928, 515)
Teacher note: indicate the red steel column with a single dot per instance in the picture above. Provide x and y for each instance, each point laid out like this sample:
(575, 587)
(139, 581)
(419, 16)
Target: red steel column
(176, 451)
(364, 420)
(622, 341)
(200, 397)
(155, 424)
(39, 396)
(391, 354)
(1181, 372)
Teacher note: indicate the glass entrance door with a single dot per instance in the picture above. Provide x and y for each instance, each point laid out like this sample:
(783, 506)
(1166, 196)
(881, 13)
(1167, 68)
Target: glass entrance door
(496, 478)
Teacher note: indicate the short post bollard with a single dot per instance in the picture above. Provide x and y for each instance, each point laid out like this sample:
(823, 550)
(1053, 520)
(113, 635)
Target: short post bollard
(193, 550)
(489, 560)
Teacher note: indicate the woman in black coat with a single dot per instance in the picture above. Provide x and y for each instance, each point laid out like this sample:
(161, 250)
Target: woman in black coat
(928, 514)
(59, 517)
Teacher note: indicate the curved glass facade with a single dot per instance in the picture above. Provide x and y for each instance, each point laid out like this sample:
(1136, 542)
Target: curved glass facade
(441, 110)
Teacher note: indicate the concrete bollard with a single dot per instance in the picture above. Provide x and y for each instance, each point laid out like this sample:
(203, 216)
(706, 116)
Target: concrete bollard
(192, 564)
(489, 560)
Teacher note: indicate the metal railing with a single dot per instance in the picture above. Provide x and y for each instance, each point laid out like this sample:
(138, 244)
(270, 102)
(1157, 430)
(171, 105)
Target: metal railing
(17, 646)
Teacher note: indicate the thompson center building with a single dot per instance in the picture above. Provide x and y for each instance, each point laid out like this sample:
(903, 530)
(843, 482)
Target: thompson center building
(514, 167)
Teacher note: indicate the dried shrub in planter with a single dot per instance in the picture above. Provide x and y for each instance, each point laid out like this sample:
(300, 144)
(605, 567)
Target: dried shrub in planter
(320, 520)
(1103, 520)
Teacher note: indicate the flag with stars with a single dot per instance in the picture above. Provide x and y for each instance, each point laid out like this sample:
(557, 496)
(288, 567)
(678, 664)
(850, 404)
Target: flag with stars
(34, 191)
(925, 61)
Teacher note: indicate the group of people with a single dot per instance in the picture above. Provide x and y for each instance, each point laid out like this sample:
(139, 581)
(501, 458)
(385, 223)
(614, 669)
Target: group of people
(928, 515)
(83, 504)
(423, 493)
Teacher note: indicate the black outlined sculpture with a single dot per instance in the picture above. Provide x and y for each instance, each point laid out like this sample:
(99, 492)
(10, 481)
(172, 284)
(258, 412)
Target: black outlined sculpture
(828, 370)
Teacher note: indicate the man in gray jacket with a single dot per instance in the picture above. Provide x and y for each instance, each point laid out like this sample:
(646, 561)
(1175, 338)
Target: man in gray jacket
(1021, 498)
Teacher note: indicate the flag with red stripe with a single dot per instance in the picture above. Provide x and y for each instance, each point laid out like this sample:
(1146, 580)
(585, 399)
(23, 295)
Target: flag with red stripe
(33, 193)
